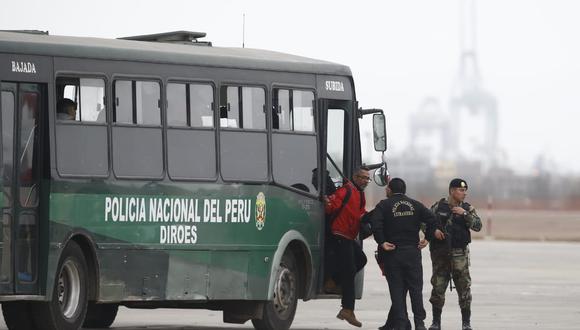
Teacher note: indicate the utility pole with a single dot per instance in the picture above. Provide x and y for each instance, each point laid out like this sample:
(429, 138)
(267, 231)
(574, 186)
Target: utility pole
(244, 31)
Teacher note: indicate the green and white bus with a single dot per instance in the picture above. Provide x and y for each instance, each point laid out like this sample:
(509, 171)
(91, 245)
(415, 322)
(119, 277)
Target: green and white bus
(187, 178)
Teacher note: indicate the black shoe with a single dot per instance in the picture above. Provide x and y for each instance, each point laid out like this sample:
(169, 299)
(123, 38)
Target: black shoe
(420, 327)
(466, 326)
(387, 326)
(435, 326)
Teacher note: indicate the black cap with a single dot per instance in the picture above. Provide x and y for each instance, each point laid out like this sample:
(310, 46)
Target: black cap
(457, 183)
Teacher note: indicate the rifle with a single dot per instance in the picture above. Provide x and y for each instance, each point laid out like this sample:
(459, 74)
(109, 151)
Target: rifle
(447, 232)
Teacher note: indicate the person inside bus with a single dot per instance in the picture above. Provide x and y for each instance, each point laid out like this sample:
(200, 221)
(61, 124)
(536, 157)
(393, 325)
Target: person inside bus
(66, 109)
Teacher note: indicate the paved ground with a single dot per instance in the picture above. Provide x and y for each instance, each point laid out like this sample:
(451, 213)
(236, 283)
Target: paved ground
(517, 285)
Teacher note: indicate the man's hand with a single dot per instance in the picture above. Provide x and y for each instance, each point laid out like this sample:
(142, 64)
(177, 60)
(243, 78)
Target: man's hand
(458, 210)
(326, 200)
(439, 235)
(388, 246)
(423, 243)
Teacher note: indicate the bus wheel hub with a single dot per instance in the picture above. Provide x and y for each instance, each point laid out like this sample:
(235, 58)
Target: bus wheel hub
(284, 291)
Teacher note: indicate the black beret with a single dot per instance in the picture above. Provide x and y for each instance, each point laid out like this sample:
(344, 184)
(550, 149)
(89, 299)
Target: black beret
(457, 183)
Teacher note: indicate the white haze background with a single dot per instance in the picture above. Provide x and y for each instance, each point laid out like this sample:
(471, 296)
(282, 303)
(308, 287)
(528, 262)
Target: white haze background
(399, 53)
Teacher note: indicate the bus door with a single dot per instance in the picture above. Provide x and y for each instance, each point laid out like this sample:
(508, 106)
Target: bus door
(339, 157)
(21, 106)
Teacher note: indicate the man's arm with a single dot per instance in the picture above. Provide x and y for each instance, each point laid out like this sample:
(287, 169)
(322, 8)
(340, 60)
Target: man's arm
(428, 218)
(377, 224)
(334, 201)
(432, 223)
(472, 219)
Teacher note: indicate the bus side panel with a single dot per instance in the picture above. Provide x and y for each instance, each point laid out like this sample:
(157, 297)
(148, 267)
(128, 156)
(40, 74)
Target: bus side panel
(226, 254)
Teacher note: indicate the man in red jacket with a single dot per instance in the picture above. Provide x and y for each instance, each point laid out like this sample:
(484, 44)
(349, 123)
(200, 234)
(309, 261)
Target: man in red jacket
(346, 207)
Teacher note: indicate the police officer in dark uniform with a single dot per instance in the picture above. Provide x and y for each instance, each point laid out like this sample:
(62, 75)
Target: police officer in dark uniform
(450, 257)
(396, 222)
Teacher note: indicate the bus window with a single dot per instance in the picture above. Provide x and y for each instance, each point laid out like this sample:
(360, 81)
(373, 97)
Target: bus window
(177, 105)
(335, 144)
(281, 110)
(137, 150)
(123, 102)
(190, 106)
(293, 110)
(302, 111)
(244, 154)
(243, 107)
(253, 105)
(198, 112)
(147, 99)
(294, 156)
(201, 105)
(87, 93)
(137, 102)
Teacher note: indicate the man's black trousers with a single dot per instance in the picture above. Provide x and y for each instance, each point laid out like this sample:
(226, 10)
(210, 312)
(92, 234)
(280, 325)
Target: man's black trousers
(350, 259)
(404, 271)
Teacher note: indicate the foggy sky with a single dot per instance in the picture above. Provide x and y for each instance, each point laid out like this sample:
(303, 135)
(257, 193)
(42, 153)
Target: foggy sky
(399, 51)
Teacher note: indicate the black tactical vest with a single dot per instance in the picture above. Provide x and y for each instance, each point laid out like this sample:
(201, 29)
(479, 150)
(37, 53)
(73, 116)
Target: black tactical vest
(457, 229)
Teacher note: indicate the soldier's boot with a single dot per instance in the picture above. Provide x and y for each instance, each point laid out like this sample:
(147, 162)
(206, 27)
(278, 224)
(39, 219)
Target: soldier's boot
(466, 319)
(420, 325)
(436, 325)
(348, 316)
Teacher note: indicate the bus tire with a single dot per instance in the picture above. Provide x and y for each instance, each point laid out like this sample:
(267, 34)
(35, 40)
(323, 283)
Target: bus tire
(18, 315)
(68, 306)
(100, 316)
(278, 314)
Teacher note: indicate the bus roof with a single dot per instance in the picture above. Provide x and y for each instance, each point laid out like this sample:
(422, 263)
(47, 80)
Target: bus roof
(156, 52)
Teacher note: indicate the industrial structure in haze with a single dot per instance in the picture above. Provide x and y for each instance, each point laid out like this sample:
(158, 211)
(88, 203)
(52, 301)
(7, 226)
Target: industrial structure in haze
(459, 138)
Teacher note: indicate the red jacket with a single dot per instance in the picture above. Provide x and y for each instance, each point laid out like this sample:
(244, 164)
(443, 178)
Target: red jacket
(347, 222)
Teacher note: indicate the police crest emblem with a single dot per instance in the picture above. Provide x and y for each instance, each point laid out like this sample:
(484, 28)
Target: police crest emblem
(260, 210)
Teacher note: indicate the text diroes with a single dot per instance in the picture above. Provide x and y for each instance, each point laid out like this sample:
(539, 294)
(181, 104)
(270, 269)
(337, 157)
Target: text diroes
(178, 234)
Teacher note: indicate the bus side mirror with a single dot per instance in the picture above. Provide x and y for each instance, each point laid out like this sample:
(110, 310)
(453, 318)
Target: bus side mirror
(379, 132)
(381, 176)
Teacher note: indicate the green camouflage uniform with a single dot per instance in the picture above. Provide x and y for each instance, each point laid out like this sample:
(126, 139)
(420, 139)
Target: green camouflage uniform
(454, 263)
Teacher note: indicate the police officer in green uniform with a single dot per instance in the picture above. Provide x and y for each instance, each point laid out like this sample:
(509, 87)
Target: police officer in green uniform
(450, 256)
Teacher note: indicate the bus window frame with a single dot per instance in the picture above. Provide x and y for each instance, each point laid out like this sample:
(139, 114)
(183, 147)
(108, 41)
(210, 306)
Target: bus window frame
(267, 103)
(162, 125)
(167, 127)
(315, 133)
(136, 78)
(315, 114)
(267, 129)
(185, 81)
(85, 75)
(108, 119)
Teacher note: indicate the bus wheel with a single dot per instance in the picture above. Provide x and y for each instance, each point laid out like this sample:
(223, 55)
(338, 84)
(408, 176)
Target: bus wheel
(18, 315)
(100, 315)
(68, 307)
(278, 314)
